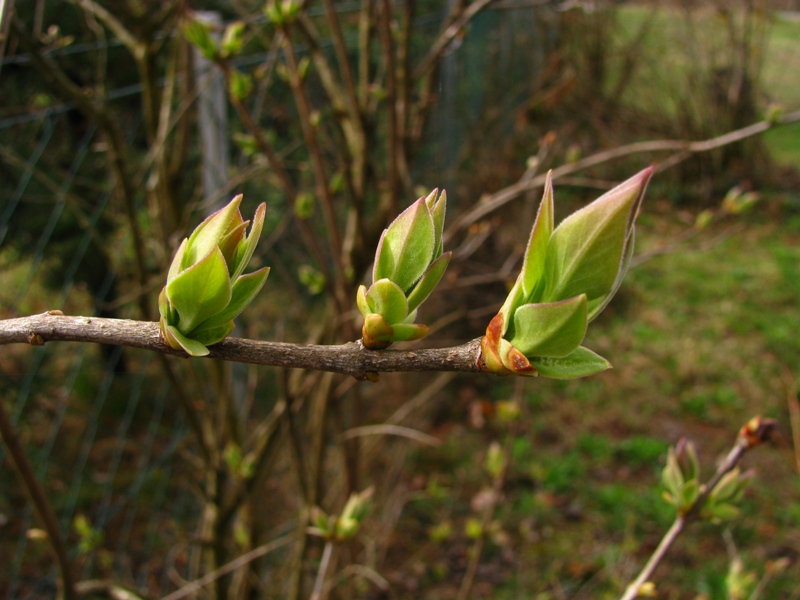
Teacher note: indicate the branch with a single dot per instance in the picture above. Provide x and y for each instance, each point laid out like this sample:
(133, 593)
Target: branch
(349, 359)
(40, 503)
(753, 433)
(682, 147)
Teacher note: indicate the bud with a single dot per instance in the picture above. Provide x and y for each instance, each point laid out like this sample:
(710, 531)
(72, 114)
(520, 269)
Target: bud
(353, 514)
(205, 287)
(568, 277)
(408, 264)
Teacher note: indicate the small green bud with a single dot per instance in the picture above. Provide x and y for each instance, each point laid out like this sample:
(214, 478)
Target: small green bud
(409, 263)
(206, 288)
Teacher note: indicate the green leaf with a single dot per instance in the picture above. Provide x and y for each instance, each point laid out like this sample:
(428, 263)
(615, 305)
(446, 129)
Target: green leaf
(402, 332)
(200, 291)
(385, 298)
(247, 246)
(199, 34)
(177, 263)
(243, 291)
(553, 329)
(721, 512)
(209, 233)
(437, 205)
(580, 363)
(232, 38)
(190, 346)
(533, 267)
(406, 247)
(586, 250)
(361, 301)
(671, 476)
(212, 335)
(428, 281)
(515, 299)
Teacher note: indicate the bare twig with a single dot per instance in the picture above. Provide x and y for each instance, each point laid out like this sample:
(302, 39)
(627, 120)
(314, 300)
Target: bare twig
(232, 566)
(398, 430)
(323, 569)
(680, 147)
(40, 503)
(349, 359)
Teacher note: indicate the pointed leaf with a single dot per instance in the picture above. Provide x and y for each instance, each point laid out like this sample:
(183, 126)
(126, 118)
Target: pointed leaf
(209, 336)
(406, 247)
(243, 291)
(553, 329)
(405, 333)
(533, 267)
(429, 281)
(515, 299)
(200, 291)
(163, 304)
(361, 301)
(580, 363)
(229, 244)
(208, 234)
(437, 207)
(177, 263)
(190, 346)
(385, 298)
(246, 249)
(586, 250)
(600, 304)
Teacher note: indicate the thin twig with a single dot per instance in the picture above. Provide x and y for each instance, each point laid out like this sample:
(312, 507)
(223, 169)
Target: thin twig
(323, 569)
(681, 147)
(40, 503)
(228, 568)
(349, 359)
(397, 430)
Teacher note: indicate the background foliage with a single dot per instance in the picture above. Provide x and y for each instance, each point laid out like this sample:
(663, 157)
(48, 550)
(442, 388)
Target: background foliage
(160, 471)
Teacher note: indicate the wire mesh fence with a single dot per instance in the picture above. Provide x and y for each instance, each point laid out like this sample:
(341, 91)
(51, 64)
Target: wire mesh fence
(100, 424)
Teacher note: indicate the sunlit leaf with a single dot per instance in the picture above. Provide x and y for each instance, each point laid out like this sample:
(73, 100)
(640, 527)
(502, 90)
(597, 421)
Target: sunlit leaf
(429, 281)
(406, 247)
(533, 267)
(553, 329)
(385, 298)
(580, 363)
(200, 291)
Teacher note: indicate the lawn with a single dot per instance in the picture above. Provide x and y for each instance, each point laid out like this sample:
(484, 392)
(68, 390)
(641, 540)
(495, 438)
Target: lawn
(701, 337)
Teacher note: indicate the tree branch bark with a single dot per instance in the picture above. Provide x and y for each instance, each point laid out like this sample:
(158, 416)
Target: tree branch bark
(350, 358)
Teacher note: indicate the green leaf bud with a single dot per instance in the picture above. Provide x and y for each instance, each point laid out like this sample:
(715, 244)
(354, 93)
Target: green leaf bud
(569, 274)
(409, 263)
(205, 287)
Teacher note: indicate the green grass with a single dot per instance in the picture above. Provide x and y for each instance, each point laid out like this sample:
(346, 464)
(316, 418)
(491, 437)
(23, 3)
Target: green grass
(699, 338)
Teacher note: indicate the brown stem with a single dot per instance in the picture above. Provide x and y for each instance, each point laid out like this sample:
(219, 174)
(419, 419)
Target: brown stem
(349, 359)
(39, 500)
(525, 184)
(338, 287)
